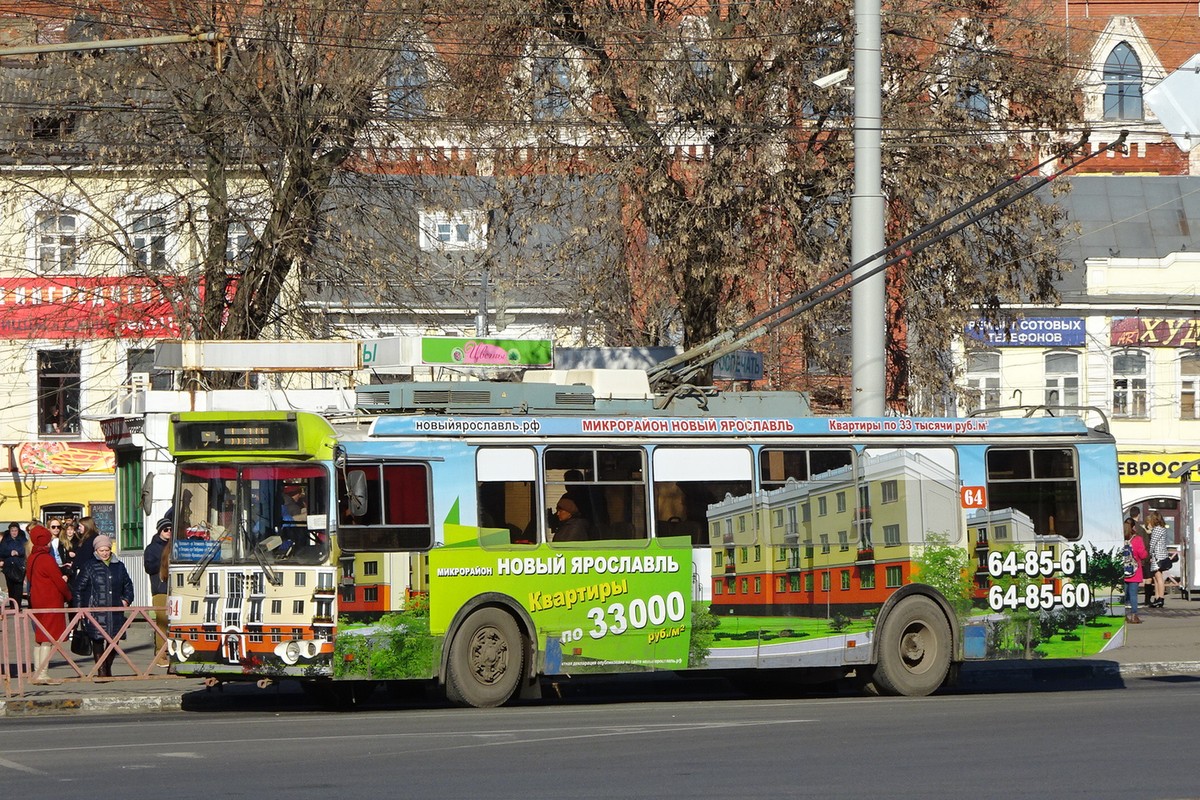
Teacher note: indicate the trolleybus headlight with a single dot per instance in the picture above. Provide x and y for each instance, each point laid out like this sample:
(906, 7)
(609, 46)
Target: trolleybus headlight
(311, 649)
(186, 650)
(290, 652)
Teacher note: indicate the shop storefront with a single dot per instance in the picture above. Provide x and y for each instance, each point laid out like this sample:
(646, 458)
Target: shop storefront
(1146, 483)
(45, 479)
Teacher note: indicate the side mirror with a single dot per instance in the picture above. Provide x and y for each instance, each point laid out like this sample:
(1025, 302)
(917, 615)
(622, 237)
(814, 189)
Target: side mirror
(147, 498)
(356, 491)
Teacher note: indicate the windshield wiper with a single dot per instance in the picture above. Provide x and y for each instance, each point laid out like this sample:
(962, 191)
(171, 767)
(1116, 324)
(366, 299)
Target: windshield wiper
(261, 553)
(202, 564)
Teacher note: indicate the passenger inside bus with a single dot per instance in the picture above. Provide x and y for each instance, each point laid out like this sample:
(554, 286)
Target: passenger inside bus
(572, 526)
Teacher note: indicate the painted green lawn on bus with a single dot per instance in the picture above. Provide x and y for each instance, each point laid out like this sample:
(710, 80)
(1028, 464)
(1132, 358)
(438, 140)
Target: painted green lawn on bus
(1091, 639)
(736, 630)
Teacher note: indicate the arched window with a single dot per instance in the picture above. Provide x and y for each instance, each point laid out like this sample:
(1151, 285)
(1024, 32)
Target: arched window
(1129, 384)
(1062, 379)
(1122, 84)
(406, 85)
(551, 80)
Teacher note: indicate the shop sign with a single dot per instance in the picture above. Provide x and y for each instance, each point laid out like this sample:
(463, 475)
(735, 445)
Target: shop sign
(1030, 332)
(1154, 332)
(1154, 467)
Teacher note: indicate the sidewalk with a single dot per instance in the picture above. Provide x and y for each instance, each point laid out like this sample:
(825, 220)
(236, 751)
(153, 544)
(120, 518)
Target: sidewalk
(1166, 644)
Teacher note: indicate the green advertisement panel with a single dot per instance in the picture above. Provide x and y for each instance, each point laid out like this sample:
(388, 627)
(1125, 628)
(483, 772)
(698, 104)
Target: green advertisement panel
(595, 610)
(452, 350)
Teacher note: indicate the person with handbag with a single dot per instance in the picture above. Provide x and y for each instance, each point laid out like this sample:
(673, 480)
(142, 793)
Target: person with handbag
(1160, 562)
(13, 549)
(48, 590)
(1132, 555)
(103, 582)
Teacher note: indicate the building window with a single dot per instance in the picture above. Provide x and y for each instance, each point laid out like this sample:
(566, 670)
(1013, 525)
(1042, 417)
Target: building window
(793, 583)
(58, 392)
(822, 507)
(781, 584)
(1129, 384)
(718, 559)
(406, 84)
(843, 540)
(745, 554)
(824, 542)
(276, 607)
(370, 568)
(297, 606)
(148, 236)
(983, 379)
(890, 491)
(1189, 381)
(841, 502)
(808, 581)
(893, 576)
(239, 243)
(57, 242)
(1062, 379)
(551, 82)
(757, 553)
(845, 577)
(453, 230)
(757, 585)
(718, 587)
(745, 586)
(866, 577)
(1122, 84)
(370, 594)
(891, 535)
(142, 374)
(825, 581)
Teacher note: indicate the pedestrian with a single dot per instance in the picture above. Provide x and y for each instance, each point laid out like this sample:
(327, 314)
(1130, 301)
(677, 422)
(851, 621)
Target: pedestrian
(63, 545)
(154, 558)
(85, 537)
(1160, 562)
(1132, 554)
(14, 547)
(48, 589)
(103, 583)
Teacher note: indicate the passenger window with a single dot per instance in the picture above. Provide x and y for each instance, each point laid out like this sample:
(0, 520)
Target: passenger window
(396, 516)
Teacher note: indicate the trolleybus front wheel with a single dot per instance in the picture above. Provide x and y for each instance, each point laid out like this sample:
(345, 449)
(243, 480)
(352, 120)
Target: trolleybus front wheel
(914, 649)
(486, 659)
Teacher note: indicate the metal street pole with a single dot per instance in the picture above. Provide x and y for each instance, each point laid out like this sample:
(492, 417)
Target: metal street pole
(110, 44)
(868, 300)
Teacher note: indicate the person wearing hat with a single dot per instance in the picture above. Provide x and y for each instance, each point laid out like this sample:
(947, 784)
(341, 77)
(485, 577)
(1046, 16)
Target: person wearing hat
(571, 526)
(47, 590)
(154, 559)
(12, 561)
(103, 583)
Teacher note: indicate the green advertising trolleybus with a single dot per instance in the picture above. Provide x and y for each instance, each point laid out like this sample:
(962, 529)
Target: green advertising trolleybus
(484, 535)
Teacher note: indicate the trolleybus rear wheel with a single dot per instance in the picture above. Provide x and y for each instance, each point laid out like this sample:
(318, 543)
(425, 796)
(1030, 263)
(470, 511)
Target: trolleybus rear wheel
(486, 660)
(914, 649)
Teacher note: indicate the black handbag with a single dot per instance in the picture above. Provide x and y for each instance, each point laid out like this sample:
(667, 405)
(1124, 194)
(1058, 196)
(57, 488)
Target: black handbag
(81, 643)
(1165, 564)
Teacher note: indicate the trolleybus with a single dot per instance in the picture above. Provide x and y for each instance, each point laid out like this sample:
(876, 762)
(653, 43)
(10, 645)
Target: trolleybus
(417, 540)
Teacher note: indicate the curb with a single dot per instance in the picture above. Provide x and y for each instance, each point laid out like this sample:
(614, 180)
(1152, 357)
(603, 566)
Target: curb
(104, 704)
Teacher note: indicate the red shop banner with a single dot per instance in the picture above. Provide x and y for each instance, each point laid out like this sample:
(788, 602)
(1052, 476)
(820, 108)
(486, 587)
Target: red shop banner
(84, 308)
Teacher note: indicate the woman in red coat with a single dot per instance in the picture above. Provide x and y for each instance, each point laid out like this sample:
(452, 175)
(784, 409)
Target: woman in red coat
(48, 589)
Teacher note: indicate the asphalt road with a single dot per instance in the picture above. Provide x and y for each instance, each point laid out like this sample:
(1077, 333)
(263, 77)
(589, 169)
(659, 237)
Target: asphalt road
(1132, 742)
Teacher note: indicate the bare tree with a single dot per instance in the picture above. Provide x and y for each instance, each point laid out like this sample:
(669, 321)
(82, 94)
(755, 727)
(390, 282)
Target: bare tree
(736, 167)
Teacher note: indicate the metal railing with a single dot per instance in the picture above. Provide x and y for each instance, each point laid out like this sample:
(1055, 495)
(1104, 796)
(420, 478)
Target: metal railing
(134, 656)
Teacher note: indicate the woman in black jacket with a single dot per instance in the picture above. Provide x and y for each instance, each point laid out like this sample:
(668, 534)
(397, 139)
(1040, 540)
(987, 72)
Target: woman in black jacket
(103, 582)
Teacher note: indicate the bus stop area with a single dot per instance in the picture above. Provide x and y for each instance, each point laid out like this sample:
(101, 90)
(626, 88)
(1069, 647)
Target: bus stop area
(1166, 646)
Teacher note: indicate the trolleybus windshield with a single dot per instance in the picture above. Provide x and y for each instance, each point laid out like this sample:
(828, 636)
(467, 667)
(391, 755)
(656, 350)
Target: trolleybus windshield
(233, 513)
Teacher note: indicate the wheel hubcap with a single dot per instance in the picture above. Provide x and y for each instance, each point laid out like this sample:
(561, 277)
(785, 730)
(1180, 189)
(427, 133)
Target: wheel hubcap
(489, 655)
(917, 647)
